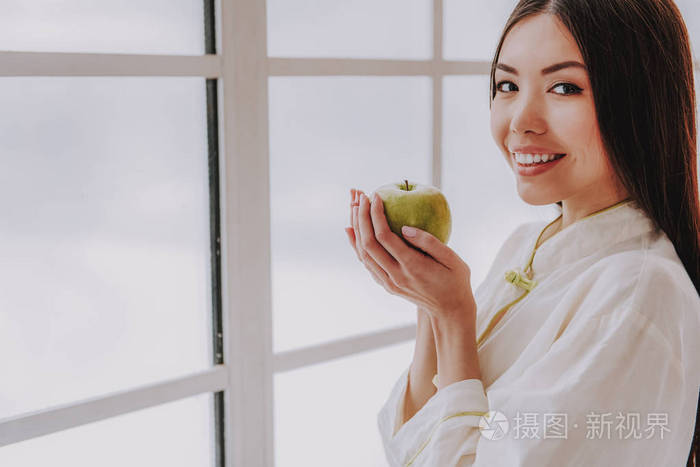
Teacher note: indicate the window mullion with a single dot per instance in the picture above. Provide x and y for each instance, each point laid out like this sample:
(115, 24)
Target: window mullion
(245, 208)
(90, 64)
(66, 416)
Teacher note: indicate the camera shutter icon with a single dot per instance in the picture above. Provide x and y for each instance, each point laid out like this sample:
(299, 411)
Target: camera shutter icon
(493, 425)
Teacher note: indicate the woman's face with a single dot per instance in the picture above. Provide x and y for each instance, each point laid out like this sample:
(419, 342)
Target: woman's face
(553, 111)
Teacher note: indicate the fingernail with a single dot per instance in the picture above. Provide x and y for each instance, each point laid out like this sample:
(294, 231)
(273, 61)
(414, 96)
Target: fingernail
(408, 231)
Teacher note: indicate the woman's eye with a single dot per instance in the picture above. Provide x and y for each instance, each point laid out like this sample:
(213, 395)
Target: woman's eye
(573, 89)
(498, 86)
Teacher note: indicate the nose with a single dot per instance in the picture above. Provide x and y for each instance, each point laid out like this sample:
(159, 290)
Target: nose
(527, 115)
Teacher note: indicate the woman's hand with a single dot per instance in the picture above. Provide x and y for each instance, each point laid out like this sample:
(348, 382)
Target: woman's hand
(437, 280)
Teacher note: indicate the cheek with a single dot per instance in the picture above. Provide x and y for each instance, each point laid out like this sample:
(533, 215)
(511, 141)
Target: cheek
(589, 140)
(593, 164)
(499, 132)
(499, 125)
(605, 170)
(578, 124)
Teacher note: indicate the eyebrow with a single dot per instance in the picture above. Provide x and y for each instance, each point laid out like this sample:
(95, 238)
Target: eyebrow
(545, 71)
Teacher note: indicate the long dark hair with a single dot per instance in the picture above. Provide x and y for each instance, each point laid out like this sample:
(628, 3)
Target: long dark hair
(640, 67)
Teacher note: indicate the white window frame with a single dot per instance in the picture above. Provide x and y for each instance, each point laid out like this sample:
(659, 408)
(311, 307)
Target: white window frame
(241, 68)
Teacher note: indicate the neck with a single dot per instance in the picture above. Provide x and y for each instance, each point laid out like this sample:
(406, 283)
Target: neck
(571, 212)
(560, 223)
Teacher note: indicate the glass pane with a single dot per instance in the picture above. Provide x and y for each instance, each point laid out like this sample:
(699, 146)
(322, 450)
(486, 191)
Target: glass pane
(472, 28)
(104, 246)
(177, 434)
(477, 179)
(690, 9)
(397, 29)
(328, 134)
(108, 26)
(326, 414)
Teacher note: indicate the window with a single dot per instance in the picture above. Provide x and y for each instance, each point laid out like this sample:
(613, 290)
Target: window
(175, 285)
(111, 274)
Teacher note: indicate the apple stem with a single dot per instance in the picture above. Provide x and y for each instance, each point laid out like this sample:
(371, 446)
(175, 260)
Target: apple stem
(406, 184)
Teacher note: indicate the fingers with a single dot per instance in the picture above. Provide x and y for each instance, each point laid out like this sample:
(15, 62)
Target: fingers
(351, 236)
(369, 242)
(364, 256)
(350, 231)
(356, 229)
(394, 244)
(379, 275)
(352, 202)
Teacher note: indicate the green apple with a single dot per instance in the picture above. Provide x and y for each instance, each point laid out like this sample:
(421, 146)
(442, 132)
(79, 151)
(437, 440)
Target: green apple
(417, 205)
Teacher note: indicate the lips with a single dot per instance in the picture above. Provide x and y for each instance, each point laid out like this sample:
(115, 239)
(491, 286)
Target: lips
(558, 156)
(535, 169)
(533, 150)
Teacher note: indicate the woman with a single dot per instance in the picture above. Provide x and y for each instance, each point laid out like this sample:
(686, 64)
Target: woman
(584, 334)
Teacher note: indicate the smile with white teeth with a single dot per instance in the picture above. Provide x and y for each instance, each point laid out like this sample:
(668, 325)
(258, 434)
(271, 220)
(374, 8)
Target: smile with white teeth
(533, 159)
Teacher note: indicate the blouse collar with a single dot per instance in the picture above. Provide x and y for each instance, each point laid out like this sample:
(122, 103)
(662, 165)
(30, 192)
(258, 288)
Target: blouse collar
(608, 226)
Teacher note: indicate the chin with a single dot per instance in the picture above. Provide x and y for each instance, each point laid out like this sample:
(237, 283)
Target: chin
(537, 197)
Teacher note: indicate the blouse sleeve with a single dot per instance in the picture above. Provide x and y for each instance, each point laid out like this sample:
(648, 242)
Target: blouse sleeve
(467, 394)
(618, 387)
(431, 437)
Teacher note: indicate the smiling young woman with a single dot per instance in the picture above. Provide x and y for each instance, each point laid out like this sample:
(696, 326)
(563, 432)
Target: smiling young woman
(544, 105)
(635, 137)
(591, 319)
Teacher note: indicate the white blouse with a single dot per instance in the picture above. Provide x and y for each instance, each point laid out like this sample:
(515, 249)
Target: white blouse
(594, 362)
